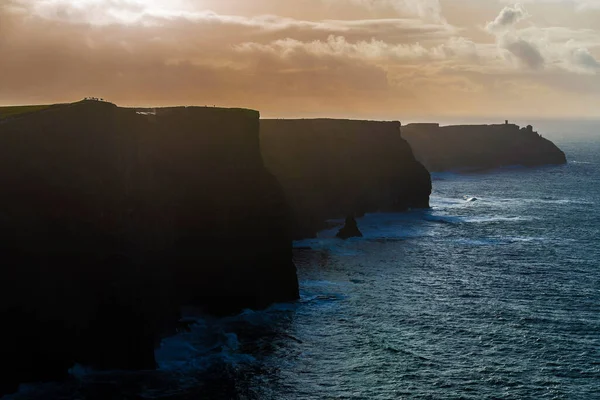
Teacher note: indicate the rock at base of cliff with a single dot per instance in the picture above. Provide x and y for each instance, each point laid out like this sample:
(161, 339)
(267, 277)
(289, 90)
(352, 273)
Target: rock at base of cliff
(349, 230)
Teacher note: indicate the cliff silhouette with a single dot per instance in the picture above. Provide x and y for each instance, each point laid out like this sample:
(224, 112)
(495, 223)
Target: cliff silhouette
(112, 220)
(336, 168)
(479, 147)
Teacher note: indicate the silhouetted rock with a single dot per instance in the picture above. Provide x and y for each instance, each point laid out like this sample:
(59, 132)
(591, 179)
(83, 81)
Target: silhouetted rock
(334, 168)
(350, 229)
(475, 147)
(111, 220)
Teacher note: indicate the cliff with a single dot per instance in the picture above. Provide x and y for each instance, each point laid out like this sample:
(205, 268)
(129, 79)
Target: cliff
(474, 147)
(336, 168)
(111, 220)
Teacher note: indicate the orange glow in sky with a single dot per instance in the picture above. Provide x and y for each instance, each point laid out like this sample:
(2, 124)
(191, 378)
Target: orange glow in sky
(392, 59)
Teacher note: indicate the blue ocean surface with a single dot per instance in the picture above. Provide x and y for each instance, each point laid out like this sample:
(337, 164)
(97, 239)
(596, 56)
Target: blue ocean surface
(494, 293)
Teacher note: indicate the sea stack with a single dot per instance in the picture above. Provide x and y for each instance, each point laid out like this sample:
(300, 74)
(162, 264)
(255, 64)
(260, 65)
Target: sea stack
(350, 229)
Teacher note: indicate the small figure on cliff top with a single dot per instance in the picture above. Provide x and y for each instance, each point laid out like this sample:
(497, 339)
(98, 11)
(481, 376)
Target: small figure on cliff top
(349, 230)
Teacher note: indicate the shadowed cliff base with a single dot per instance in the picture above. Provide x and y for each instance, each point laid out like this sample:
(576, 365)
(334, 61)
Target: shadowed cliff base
(480, 147)
(334, 168)
(112, 219)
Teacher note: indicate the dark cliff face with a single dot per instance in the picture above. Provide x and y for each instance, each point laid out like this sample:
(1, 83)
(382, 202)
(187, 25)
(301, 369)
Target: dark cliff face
(216, 195)
(335, 168)
(480, 146)
(112, 220)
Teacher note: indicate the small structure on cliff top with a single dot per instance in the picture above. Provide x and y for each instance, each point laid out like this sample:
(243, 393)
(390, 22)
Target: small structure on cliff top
(93, 99)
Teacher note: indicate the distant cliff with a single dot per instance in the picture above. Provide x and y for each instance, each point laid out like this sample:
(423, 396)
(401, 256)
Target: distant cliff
(474, 147)
(335, 168)
(111, 220)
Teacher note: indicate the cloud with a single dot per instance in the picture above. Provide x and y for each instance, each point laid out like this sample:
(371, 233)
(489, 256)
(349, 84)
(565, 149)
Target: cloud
(185, 63)
(580, 5)
(583, 5)
(331, 61)
(507, 18)
(338, 46)
(579, 60)
(538, 48)
(426, 9)
(372, 50)
(524, 51)
(170, 13)
(583, 58)
(100, 12)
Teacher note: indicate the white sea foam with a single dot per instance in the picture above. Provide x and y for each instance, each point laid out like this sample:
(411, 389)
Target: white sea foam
(501, 240)
(80, 372)
(208, 341)
(441, 203)
(486, 219)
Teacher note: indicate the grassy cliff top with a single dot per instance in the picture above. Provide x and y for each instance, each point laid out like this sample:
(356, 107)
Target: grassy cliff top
(327, 120)
(202, 109)
(14, 111)
(18, 111)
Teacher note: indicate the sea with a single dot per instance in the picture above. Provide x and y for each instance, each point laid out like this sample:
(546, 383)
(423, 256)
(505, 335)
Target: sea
(493, 293)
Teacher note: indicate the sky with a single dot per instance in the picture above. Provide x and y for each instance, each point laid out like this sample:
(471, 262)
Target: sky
(373, 59)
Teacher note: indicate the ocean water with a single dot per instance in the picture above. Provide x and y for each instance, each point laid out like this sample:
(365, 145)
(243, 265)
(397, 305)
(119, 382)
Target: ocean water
(494, 293)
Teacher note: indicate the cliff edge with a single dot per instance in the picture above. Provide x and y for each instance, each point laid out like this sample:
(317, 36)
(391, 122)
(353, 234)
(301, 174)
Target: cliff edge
(476, 147)
(334, 168)
(113, 219)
